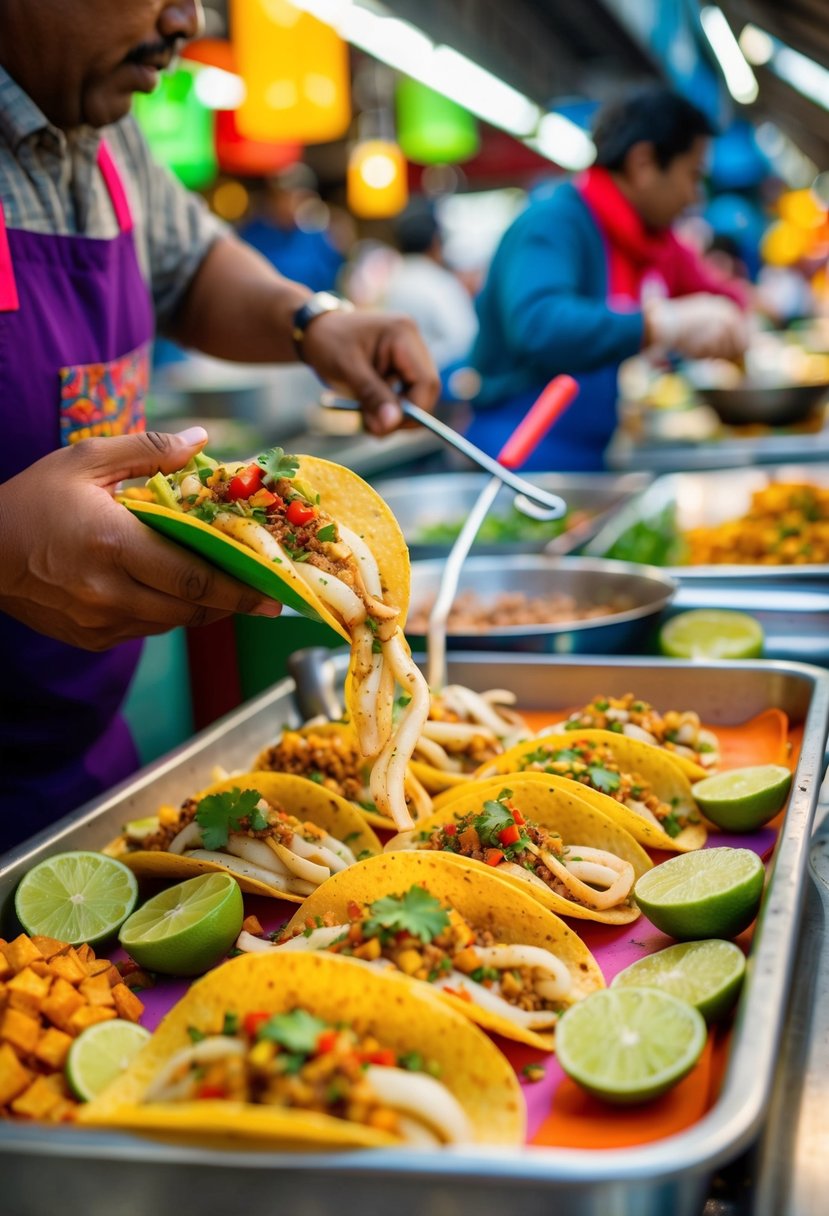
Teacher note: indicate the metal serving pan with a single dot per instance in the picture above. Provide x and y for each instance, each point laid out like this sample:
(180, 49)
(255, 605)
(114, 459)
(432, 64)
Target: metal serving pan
(701, 499)
(668, 456)
(442, 498)
(766, 405)
(94, 1173)
(587, 580)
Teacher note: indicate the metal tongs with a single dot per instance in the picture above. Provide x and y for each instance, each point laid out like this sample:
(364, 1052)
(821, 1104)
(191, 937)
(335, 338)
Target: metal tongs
(555, 398)
(530, 499)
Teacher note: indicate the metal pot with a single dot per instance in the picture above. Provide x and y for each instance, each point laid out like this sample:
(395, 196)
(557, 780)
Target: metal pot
(588, 580)
(779, 406)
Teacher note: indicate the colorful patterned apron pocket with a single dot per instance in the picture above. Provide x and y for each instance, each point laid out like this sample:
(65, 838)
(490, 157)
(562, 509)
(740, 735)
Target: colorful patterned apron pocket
(104, 398)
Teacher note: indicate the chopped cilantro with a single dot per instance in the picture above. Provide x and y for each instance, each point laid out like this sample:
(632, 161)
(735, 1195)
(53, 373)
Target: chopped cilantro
(705, 747)
(672, 825)
(376, 646)
(277, 465)
(412, 1060)
(603, 779)
(230, 1025)
(329, 532)
(296, 1031)
(204, 475)
(533, 1072)
(372, 624)
(484, 973)
(195, 1035)
(601, 704)
(316, 777)
(220, 814)
(416, 912)
(402, 701)
(206, 511)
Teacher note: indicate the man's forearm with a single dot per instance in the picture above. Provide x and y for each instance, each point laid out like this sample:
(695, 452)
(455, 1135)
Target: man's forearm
(238, 307)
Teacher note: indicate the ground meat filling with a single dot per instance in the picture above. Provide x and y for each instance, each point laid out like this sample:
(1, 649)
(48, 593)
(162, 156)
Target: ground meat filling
(332, 761)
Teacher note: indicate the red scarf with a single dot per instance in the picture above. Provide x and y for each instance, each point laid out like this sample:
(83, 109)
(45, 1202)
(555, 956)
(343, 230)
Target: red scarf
(633, 250)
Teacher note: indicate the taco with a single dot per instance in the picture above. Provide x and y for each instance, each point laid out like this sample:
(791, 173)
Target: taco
(464, 730)
(490, 950)
(278, 835)
(328, 753)
(678, 732)
(640, 787)
(308, 1049)
(315, 536)
(550, 843)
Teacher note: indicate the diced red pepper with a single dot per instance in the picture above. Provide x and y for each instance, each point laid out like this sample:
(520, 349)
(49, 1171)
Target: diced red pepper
(327, 1041)
(450, 829)
(517, 817)
(510, 835)
(210, 1091)
(384, 1057)
(253, 1021)
(300, 513)
(246, 482)
(493, 857)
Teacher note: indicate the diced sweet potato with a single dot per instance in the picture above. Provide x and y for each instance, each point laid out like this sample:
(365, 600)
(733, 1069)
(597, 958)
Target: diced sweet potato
(52, 1047)
(88, 1016)
(6, 969)
(27, 990)
(96, 990)
(37, 1100)
(41, 968)
(127, 1003)
(86, 954)
(64, 1111)
(13, 1076)
(21, 952)
(68, 966)
(97, 966)
(113, 975)
(20, 1029)
(48, 945)
(63, 1000)
(252, 924)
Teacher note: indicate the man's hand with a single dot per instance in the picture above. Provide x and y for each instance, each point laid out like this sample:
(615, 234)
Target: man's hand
(365, 354)
(77, 566)
(699, 326)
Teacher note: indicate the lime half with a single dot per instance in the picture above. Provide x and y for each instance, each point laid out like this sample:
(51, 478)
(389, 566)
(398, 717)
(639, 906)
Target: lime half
(710, 893)
(629, 1045)
(100, 1054)
(187, 928)
(743, 799)
(707, 975)
(712, 633)
(76, 897)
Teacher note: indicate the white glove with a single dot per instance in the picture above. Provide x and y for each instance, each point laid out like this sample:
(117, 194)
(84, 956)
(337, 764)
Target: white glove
(701, 326)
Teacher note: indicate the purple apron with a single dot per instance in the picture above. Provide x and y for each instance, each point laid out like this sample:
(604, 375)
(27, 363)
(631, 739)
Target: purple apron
(76, 321)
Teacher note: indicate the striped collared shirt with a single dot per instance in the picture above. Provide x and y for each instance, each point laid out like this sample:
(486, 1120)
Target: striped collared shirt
(50, 183)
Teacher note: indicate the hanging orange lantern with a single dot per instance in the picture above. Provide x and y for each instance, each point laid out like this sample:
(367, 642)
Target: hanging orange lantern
(296, 73)
(377, 180)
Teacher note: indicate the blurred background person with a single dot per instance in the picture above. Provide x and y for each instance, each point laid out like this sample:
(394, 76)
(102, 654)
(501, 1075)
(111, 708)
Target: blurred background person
(590, 275)
(289, 227)
(422, 286)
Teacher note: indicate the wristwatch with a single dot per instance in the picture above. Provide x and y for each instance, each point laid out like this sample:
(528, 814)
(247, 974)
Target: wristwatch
(317, 304)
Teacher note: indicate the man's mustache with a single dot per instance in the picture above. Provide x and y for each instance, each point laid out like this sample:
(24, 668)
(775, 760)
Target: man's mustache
(160, 51)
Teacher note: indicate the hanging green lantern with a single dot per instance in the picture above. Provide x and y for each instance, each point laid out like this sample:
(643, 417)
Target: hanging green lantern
(431, 129)
(179, 128)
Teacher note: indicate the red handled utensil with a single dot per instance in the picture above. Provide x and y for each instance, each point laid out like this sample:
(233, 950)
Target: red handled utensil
(551, 404)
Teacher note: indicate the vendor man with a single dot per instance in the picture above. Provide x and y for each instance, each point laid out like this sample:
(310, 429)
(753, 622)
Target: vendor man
(98, 246)
(585, 278)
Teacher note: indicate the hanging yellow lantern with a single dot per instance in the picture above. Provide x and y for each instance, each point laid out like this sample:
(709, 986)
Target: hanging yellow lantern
(296, 72)
(784, 244)
(376, 182)
(801, 208)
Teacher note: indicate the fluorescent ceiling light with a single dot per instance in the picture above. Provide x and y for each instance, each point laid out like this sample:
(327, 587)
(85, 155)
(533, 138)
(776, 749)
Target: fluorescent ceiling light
(739, 78)
(756, 45)
(407, 49)
(219, 90)
(803, 74)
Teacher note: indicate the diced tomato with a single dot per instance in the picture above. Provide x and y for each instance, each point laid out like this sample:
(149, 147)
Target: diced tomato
(493, 857)
(300, 513)
(264, 498)
(210, 1091)
(509, 835)
(327, 1041)
(517, 817)
(354, 910)
(253, 1021)
(450, 829)
(246, 482)
(384, 1057)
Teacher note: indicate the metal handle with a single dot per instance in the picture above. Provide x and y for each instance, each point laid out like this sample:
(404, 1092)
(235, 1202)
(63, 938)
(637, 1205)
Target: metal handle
(315, 683)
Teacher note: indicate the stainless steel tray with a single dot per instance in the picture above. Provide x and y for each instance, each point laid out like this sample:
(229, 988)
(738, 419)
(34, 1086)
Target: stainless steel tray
(702, 499)
(441, 498)
(668, 456)
(46, 1170)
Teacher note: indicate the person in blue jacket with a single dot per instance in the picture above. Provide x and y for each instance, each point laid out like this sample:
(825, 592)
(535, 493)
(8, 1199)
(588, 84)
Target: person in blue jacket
(586, 277)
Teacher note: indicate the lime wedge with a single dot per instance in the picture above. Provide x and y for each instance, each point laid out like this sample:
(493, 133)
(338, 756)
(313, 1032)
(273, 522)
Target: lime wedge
(707, 975)
(710, 893)
(743, 799)
(711, 633)
(76, 897)
(629, 1045)
(187, 928)
(100, 1054)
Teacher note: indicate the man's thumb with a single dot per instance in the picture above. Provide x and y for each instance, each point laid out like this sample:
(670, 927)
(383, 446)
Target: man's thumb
(120, 457)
